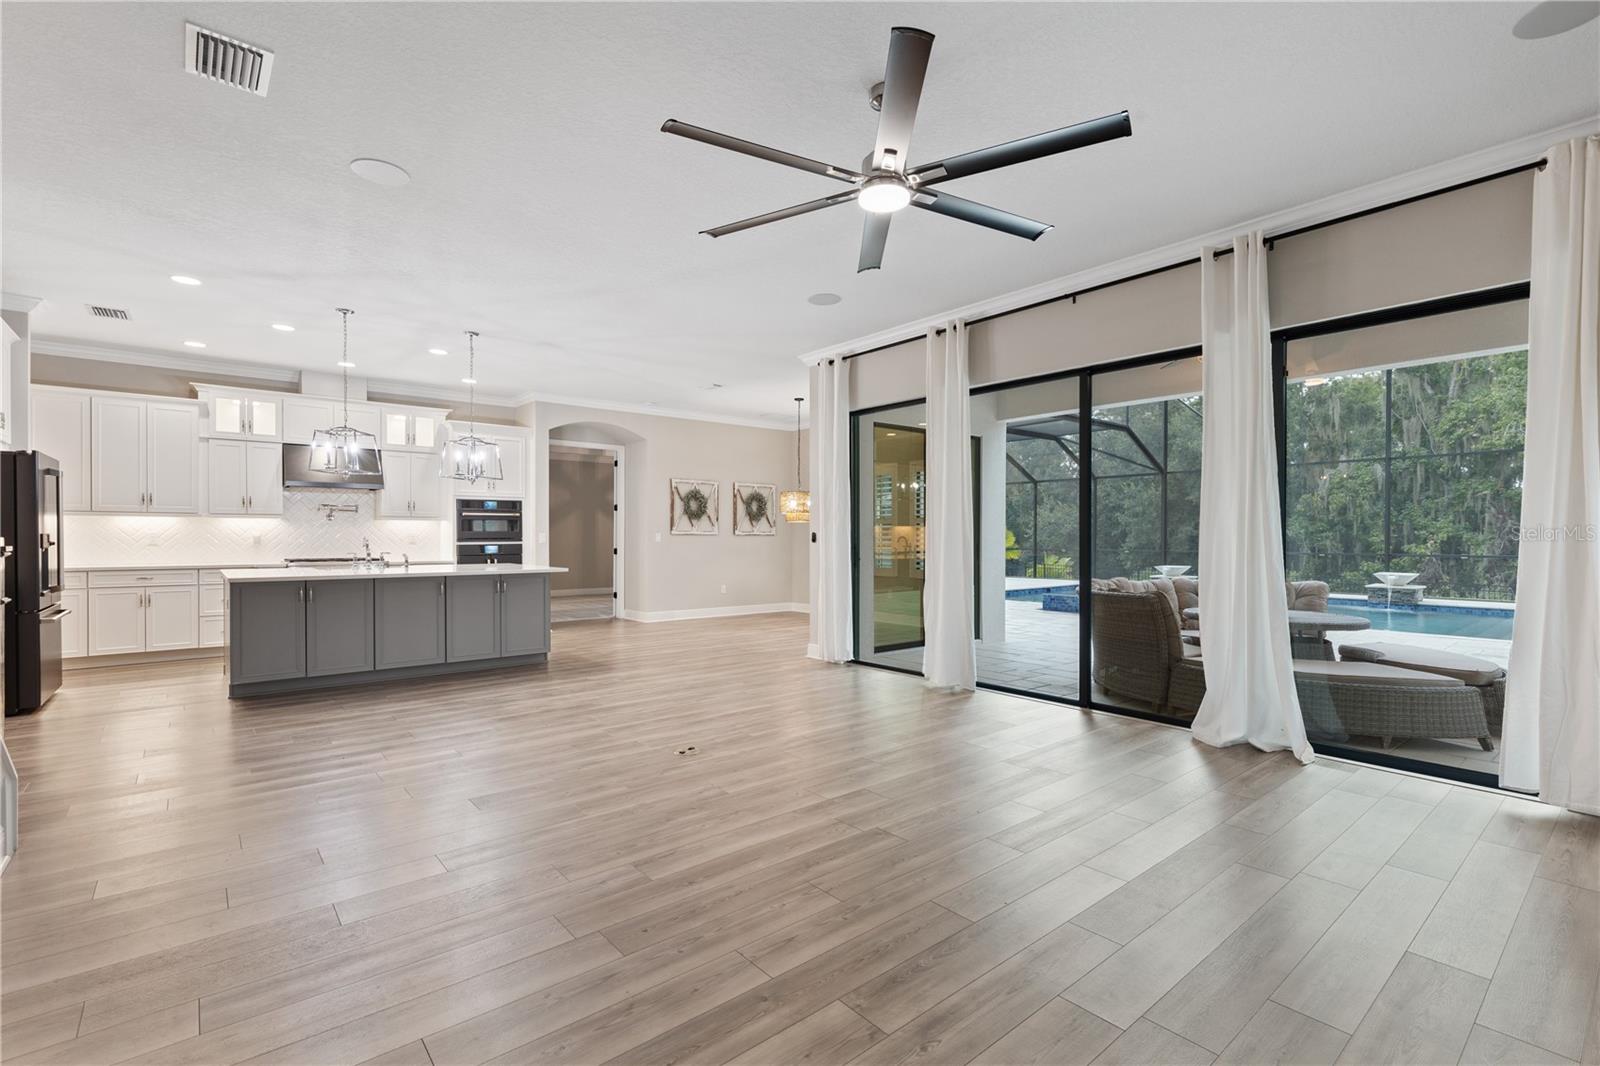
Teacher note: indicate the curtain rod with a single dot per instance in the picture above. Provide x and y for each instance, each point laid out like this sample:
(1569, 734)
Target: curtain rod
(1270, 241)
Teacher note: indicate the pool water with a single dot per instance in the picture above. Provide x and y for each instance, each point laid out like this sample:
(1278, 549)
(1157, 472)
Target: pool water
(1490, 624)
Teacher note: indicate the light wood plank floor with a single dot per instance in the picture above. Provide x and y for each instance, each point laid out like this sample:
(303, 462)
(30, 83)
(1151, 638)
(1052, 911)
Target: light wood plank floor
(521, 867)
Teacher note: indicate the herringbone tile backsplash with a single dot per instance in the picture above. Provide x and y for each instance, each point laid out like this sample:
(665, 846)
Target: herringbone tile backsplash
(303, 529)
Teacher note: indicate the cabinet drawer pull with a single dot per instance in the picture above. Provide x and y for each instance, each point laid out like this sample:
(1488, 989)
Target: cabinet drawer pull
(311, 593)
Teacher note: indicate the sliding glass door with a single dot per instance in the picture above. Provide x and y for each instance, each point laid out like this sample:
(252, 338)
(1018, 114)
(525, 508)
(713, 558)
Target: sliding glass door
(1027, 537)
(891, 454)
(1403, 489)
(1144, 459)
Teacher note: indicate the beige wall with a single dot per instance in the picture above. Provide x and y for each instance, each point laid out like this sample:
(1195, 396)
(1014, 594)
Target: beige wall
(579, 490)
(664, 574)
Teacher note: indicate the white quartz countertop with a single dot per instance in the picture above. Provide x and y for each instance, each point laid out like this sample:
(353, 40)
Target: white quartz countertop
(337, 573)
(78, 568)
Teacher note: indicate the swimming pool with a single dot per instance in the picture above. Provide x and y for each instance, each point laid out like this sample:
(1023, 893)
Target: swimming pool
(1492, 623)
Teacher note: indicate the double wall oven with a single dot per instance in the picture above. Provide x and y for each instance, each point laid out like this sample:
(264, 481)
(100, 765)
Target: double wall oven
(488, 531)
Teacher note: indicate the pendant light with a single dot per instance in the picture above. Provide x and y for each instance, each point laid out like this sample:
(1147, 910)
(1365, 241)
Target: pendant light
(796, 503)
(469, 457)
(343, 450)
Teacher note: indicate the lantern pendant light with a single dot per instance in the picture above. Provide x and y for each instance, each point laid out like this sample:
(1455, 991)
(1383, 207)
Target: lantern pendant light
(795, 504)
(343, 450)
(469, 457)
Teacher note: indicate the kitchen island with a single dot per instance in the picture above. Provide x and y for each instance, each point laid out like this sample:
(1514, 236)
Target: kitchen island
(290, 629)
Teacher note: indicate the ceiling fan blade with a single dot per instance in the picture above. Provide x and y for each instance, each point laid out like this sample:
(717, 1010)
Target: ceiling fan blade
(760, 151)
(1038, 146)
(781, 213)
(874, 234)
(942, 203)
(902, 91)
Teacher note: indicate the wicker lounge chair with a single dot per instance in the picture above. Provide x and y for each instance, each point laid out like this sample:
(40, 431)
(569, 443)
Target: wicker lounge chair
(1139, 655)
(1485, 676)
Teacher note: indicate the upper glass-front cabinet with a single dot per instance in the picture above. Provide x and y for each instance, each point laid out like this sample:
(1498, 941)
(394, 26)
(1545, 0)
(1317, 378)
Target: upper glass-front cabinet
(249, 417)
(404, 429)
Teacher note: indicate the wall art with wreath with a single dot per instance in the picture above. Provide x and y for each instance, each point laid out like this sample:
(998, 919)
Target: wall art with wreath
(755, 506)
(694, 506)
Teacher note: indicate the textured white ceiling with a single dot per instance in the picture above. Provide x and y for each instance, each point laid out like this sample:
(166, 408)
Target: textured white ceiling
(548, 211)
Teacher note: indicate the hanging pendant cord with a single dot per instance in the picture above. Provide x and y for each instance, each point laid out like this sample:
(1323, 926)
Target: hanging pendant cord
(799, 483)
(344, 358)
(472, 383)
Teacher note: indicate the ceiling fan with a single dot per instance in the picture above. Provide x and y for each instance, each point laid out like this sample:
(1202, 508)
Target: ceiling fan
(885, 184)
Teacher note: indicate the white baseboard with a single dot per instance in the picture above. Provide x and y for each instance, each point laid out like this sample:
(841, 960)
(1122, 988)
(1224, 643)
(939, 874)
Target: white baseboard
(94, 662)
(714, 612)
(555, 593)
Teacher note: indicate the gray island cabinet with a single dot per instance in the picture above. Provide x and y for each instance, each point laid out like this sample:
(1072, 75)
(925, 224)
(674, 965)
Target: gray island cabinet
(300, 628)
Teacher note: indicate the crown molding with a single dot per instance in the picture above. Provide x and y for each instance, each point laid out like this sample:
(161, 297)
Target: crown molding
(162, 360)
(1389, 190)
(15, 301)
(601, 407)
(201, 365)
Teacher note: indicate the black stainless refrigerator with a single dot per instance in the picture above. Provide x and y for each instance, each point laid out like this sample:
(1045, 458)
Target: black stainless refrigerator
(30, 522)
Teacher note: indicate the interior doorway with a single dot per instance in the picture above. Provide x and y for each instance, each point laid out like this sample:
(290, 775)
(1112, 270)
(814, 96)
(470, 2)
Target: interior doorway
(585, 530)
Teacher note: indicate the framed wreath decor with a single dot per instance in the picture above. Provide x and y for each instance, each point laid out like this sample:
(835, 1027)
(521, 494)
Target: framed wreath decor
(694, 507)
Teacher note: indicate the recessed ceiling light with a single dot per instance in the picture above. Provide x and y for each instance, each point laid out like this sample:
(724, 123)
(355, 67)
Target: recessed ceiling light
(469, 381)
(184, 279)
(824, 299)
(437, 351)
(283, 327)
(379, 172)
(194, 344)
(346, 364)
(1555, 17)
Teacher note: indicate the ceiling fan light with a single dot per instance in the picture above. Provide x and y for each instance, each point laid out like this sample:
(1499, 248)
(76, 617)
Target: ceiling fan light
(882, 196)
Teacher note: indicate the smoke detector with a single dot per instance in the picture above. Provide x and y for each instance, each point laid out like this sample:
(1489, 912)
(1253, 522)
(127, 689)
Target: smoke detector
(211, 55)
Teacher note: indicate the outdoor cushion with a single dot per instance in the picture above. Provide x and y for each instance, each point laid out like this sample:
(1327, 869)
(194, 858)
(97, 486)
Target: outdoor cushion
(1188, 592)
(1359, 673)
(1308, 595)
(1465, 668)
(1160, 584)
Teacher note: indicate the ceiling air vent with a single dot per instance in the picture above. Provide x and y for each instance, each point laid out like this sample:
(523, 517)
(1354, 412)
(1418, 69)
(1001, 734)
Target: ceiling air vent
(211, 55)
(108, 312)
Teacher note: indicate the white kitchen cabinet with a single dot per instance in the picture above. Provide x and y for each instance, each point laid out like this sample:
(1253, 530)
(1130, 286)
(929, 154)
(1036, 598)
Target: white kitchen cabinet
(60, 421)
(172, 457)
(408, 428)
(171, 618)
(133, 611)
(116, 621)
(144, 455)
(75, 625)
(212, 611)
(244, 416)
(244, 477)
(118, 450)
(412, 486)
(304, 415)
(513, 483)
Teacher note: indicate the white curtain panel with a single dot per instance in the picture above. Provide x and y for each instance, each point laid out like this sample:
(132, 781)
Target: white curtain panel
(1550, 742)
(949, 659)
(830, 512)
(1244, 621)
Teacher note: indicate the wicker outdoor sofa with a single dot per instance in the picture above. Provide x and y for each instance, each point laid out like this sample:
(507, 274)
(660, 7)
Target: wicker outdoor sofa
(1140, 655)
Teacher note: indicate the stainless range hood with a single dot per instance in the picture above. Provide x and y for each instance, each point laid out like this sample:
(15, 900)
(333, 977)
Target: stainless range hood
(299, 472)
